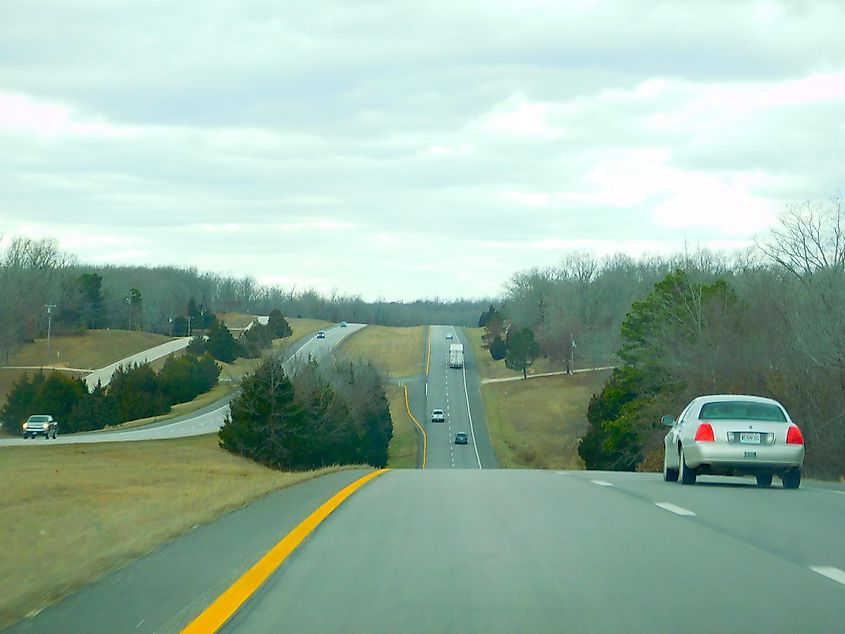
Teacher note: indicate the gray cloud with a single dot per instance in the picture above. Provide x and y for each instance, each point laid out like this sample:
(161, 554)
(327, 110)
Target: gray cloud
(335, 144)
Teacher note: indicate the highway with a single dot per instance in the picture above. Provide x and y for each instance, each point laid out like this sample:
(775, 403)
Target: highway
(205, 421)
(471, 550)
(456, 392)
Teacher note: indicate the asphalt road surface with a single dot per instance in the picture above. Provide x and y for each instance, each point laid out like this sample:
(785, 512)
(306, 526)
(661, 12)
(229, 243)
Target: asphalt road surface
(446, 550)
(103, 375)
(456, 392)
(204, 421)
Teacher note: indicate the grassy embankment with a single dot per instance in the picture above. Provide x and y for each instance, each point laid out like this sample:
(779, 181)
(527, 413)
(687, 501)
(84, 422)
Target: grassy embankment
(535, 423)
(98, 507)
(396, 352)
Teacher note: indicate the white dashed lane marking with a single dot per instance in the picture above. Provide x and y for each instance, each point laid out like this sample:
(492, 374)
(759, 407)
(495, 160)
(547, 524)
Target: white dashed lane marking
(677, 510)
(830, 572)
(602, 483)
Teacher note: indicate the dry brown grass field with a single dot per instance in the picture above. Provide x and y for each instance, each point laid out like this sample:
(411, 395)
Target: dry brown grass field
(98, 507)
(402, 451)
(538, 422)
(394, 351)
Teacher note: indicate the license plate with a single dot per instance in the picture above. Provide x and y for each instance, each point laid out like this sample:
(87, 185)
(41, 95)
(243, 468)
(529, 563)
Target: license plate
(749, 438)
(750, 454)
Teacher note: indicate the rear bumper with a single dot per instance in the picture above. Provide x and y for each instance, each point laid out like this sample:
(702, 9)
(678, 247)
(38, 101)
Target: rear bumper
(729, 459)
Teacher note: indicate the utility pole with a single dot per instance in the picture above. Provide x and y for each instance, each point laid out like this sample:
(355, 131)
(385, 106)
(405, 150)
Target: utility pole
(49, 308)
(170, 321)
(189, 324)
(571, 353)
(129, 301)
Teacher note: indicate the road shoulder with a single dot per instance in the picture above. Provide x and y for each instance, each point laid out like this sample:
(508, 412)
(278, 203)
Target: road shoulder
(163, 591)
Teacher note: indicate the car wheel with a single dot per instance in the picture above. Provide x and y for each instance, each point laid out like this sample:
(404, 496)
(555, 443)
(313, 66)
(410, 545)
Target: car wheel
(791, 479)
(686, 475)
(669, 475)
(764, 479)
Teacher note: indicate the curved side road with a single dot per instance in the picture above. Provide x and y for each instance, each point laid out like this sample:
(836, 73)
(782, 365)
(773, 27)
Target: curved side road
(103, 375)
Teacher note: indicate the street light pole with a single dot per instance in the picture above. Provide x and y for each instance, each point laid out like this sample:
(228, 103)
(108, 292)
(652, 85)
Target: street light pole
(49, 308)
(571, 353)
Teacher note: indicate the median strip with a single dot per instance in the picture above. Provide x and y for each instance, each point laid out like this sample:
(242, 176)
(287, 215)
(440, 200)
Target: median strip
(225, 606)
(417, 423)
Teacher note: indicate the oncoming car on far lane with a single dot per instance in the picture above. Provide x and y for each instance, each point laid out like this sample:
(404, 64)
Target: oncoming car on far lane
(733, 435)
(39, 424)
(321, 335)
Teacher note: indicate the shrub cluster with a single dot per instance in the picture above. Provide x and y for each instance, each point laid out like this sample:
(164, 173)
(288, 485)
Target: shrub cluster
(134, 392)
(318, 416)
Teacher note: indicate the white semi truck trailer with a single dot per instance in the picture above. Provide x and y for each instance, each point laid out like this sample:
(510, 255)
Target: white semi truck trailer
(456, 355)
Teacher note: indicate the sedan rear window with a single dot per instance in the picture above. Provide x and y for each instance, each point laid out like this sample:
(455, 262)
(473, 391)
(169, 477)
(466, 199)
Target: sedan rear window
(742, 410)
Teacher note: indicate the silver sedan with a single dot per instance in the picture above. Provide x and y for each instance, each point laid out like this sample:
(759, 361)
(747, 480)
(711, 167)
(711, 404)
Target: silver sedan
(733, 435)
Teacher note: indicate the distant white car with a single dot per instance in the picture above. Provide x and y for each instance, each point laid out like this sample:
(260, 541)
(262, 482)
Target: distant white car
(729, 434)
(437, 416)
(450, 336)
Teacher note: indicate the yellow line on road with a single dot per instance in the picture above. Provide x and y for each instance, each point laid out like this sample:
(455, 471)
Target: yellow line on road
(428, 356)
(216, 615)
(417, 423)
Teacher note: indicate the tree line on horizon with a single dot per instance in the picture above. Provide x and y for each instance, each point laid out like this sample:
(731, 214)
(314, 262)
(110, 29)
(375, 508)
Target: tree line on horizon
(44, 287)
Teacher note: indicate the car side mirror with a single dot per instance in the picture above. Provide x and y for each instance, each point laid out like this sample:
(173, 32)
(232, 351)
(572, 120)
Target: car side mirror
(668, 420)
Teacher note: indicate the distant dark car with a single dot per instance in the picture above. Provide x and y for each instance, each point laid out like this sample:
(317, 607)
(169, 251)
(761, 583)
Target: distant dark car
(461, 438)
(321, 335)
(437, 416)
(40, 424)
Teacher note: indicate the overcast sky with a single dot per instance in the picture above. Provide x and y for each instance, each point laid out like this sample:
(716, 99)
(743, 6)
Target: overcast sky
(412, 149)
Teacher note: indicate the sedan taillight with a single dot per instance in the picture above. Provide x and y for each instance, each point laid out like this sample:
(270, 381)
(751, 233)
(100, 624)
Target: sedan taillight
(794, 436)
(704, 433)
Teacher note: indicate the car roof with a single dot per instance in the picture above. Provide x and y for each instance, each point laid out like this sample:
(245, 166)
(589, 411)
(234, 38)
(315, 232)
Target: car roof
(727, 398)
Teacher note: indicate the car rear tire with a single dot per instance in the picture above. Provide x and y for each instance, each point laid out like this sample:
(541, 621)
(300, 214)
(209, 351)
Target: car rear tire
(685, 474)
(791, 479)
(764, 479)
(669, 475)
